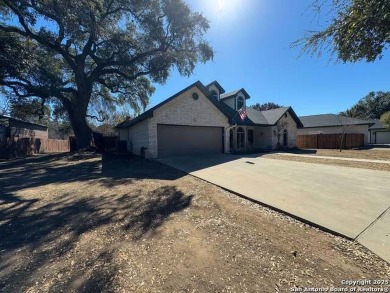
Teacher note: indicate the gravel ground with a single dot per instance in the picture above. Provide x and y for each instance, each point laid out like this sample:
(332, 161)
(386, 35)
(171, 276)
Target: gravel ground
(86, 224)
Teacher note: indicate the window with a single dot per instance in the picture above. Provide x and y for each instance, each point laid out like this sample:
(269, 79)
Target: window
(285, 137)
(240, 138)
(214, 94)
(240, 102)
(250, 136)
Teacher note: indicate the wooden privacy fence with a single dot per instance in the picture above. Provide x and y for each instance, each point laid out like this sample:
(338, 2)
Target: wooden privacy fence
(14, 148)
(330, 141)
(102, 143)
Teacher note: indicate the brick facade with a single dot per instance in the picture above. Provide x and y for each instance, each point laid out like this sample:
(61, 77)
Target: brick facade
(184, 110)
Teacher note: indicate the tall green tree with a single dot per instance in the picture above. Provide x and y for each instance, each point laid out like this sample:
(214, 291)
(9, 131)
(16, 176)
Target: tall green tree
(96, 52)
(370, 107)
(385, 118)
(266, 106)
(359, 30)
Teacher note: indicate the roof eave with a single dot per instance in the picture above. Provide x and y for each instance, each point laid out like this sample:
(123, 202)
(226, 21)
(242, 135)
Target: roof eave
(216, 83)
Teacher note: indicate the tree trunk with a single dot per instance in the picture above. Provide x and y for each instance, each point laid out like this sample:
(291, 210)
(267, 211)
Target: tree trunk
(83, 133)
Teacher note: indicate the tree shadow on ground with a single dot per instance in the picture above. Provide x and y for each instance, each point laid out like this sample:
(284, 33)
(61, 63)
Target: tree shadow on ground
(36, 234)
(108, 169)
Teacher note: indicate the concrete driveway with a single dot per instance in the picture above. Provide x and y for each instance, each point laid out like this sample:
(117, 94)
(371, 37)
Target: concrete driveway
(349, 201)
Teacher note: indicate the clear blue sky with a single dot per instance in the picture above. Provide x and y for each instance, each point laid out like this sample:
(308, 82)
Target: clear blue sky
(252, 41)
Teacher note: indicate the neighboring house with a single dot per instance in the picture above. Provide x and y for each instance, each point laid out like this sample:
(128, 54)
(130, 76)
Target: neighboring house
(15, 128)
(379, 134)
(334, 124)
(204, 119)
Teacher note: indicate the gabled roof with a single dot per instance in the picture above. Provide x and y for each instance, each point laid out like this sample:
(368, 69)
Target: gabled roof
(266, 118)
(328, 120)
(149, 113)
(254, 117)
(274, 115)
(377, 124)
(219, 87)
(233, 93)
(3, 117)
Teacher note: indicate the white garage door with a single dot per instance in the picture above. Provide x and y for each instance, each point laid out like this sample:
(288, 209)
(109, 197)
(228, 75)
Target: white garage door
(383, 137)
(179, 140)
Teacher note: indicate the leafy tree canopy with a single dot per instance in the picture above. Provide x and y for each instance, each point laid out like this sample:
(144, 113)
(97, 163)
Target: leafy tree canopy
(385, 118)
(359, 30)
(266, 106)
(94, 55)
(370, 107)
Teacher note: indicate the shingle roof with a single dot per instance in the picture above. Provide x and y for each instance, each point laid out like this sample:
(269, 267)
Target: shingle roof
(377, 124)
(220, 88)
(233, 93)
(274, 115)
(266, 118)
(324, 120)
(3, 117)
(254, 117)
(226, 110)
(229, 94)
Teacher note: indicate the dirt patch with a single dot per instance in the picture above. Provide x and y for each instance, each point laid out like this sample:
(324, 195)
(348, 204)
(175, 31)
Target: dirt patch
(369, 154)
(125, 225)
(336, 162)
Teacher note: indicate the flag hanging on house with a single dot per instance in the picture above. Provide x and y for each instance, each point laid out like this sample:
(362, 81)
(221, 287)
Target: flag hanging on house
(242, 113)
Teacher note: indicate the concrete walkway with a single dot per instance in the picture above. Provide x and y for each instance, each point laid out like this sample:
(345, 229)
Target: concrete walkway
(334, 158)
(353, 202)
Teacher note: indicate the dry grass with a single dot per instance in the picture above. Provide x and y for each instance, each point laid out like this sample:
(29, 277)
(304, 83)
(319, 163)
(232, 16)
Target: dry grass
(126, 225)
(370, 154)
(335, 162)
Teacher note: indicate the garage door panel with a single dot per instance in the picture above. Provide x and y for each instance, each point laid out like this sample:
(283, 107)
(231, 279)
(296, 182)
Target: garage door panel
(383, 137)
(178, 140)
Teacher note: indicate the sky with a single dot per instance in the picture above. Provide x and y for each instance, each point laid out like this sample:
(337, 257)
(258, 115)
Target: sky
(252, 39)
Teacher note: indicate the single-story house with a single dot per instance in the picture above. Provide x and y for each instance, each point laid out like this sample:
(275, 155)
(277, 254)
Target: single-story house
(379, 134)
(15, 128)
(334, 124)
(204, 119)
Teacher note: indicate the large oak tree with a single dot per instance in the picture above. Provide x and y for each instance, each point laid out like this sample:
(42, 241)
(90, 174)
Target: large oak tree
(358, 30)
(370, 107)
(96, 52)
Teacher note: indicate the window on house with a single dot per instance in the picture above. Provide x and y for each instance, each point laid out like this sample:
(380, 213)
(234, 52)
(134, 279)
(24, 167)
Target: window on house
(250, 136)
(285, 137)
(240, 102)
(214, 94)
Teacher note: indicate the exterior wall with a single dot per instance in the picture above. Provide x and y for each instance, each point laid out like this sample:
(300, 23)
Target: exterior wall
(22, 129)
(263, 137)
(28, 133)
(373, 132)
(2, 131)
(291, 132)
(337, 129)
(231, 102)
(137, 137)
(123, 134)
(184, 110)
(214, 88)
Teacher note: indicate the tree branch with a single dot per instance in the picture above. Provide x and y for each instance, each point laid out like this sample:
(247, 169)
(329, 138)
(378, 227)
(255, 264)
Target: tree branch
(28, 33)
(96, 118)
